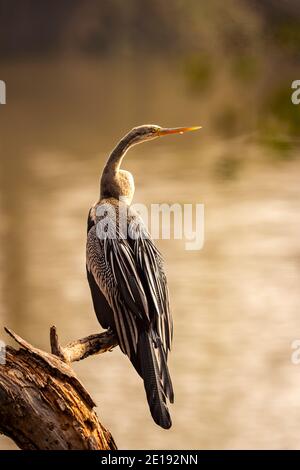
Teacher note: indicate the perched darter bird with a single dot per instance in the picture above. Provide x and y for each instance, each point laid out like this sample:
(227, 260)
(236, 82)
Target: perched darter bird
(126, 276)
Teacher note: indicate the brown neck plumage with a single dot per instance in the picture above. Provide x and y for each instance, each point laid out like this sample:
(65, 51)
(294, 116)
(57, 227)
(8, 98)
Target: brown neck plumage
(117, 183)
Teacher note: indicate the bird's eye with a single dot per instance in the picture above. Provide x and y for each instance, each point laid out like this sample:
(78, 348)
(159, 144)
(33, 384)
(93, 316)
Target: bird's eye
(153, 131)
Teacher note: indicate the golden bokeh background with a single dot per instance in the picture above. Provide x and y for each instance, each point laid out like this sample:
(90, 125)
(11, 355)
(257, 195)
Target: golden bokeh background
(79, 75)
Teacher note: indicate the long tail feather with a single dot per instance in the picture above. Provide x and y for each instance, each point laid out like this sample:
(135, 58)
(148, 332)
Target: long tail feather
(165, 375)
(154, 376)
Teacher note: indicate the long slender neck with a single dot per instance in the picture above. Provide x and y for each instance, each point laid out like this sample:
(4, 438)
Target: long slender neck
(115, 182)
(115, 159)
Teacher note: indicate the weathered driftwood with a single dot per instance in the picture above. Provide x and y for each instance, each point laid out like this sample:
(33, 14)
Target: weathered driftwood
(43, 405)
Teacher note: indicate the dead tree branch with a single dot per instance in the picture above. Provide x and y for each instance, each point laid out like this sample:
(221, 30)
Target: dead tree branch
(82, 348)
(43, 405)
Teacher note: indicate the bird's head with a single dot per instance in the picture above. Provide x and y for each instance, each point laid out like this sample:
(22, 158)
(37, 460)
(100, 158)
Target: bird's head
(151, 131)
(116, 182)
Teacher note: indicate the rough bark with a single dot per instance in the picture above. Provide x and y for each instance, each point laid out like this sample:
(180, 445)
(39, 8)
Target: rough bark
(43, 405)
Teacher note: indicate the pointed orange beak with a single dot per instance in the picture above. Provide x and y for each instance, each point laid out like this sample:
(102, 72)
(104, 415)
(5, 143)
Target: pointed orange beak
(177, 130)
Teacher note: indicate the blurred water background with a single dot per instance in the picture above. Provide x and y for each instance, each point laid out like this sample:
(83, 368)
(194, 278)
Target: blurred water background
(81, 74)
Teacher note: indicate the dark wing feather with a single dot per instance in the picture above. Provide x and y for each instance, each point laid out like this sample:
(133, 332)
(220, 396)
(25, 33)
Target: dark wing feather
(119, 257)
(150, 266)
(110, 268)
